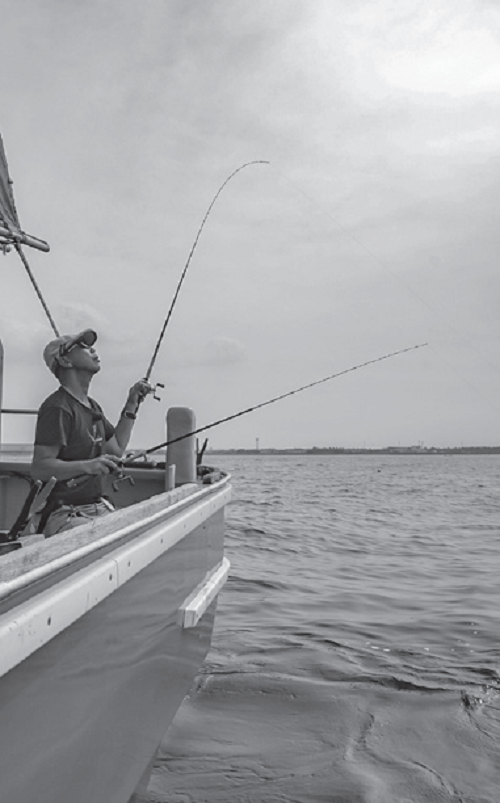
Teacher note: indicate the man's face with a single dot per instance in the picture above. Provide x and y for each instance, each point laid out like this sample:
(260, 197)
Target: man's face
(84, 358)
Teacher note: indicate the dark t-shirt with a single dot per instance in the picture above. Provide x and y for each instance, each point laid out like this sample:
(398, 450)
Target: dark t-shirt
(81, 434)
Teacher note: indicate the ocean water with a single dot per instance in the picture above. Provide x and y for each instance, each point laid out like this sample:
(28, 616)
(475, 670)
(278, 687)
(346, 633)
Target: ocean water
(356, 652)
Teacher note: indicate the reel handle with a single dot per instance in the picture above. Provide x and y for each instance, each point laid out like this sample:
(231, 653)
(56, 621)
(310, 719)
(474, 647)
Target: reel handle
(152, 389)
(158, 385)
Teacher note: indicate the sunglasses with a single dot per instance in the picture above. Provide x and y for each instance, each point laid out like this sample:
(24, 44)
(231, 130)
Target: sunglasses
(81, 345)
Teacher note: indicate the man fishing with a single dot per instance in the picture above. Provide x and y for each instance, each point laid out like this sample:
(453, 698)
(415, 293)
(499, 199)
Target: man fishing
(74, 441)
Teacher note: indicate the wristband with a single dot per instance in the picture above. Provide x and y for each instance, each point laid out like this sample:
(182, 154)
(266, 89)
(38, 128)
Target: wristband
(128, 414)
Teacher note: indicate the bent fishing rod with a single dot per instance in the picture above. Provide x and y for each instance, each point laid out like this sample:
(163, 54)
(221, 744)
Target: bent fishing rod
(185, 270)
(145, 452)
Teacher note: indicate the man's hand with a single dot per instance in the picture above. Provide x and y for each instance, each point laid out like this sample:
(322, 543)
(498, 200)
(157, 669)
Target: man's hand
(138, 393)
(46, 464)
(102, 465)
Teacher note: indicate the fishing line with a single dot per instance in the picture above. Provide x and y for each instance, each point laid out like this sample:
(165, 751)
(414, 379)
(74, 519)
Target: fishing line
(186, 266)
(384, 265)
(464, 379)
(272, 401)
(355, 239)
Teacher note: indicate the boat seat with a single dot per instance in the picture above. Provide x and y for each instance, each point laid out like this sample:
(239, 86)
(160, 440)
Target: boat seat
(33, 504)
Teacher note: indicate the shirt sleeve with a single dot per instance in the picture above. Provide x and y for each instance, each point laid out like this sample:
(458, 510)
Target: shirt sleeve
(109, 429)
(52, 427)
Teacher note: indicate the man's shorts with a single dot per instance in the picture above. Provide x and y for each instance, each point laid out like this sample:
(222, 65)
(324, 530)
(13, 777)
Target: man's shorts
(67, 517)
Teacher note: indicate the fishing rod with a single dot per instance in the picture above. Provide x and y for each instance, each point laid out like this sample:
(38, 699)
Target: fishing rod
(9, 237)
(185, 270)
(11, 232)
(145, 452)
(36, 288)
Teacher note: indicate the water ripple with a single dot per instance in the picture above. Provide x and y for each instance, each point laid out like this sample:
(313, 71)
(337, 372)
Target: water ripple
(357, 637)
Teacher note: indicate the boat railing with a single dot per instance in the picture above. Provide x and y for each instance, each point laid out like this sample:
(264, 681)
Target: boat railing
(17, 411)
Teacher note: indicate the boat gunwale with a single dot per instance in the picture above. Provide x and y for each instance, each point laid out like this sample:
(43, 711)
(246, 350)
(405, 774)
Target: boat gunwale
(32, 565)
(35, 616)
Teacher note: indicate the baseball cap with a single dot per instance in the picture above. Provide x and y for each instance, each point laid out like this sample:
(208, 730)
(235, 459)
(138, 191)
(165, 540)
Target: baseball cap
(62, 345)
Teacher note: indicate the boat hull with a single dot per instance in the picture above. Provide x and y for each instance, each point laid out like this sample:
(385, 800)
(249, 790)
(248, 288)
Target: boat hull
(84, 713)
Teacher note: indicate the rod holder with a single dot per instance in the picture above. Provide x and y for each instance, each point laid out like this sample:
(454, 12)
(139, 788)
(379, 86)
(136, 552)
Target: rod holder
(21, 237)
(170, 478)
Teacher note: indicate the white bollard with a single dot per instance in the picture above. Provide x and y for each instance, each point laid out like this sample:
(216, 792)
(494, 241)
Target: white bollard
(1, 388)
(182, 455)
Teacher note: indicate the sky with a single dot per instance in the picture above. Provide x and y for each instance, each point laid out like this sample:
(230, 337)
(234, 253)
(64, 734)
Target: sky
(373, 228)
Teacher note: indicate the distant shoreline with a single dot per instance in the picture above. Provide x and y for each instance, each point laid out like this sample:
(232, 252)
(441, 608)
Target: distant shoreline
(390, 450)
(27, 448)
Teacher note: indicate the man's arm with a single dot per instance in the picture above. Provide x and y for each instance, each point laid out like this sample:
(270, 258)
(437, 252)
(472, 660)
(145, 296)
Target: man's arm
(123, 430)
(46, 464)
(118, 442)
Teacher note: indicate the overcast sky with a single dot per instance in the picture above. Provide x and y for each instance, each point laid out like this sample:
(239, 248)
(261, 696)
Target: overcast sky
(374, 228)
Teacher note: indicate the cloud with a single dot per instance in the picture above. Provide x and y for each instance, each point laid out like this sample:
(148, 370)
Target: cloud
(481, 141)
(382, 128)
(223, 351)
(73, 317)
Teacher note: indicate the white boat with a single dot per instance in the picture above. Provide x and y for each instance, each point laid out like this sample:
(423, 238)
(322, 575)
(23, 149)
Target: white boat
(103, 628)
(102, 631)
